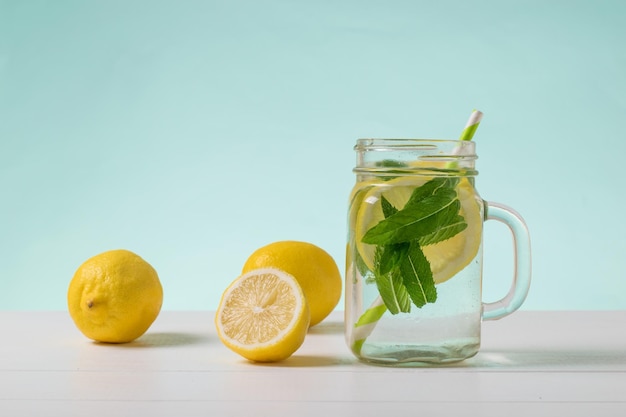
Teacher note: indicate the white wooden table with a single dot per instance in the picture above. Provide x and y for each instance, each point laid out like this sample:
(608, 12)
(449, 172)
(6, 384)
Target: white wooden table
(531, 363)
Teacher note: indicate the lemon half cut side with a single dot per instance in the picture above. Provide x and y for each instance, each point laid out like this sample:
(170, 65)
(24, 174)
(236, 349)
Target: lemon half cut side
(263, 315)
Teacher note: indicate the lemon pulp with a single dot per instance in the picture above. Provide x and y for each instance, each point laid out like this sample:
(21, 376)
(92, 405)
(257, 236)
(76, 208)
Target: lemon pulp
(263, 315)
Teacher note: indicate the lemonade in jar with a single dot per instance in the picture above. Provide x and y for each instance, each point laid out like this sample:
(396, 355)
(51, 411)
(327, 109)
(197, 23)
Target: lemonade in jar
(414, 253)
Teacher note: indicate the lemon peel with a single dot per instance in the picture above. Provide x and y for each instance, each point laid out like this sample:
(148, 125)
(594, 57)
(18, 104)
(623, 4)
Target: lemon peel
(114, 297)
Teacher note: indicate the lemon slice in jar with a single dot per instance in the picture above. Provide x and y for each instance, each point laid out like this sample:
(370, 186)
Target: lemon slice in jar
(446, 258)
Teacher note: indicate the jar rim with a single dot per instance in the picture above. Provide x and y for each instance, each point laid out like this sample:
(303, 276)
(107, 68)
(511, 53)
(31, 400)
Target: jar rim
(399, 157)
(411, 144)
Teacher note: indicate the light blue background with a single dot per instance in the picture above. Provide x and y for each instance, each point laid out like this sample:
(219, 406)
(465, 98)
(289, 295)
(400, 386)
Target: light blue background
(193, 132)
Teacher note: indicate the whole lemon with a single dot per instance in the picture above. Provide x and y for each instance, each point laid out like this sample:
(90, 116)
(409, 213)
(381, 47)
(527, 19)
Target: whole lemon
(114, 297)
(313, 268)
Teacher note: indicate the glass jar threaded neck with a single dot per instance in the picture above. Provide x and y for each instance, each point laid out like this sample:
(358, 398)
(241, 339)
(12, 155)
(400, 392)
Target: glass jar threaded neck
(408, 157)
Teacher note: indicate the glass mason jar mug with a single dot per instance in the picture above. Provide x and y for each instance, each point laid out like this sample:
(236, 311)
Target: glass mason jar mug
(414, 254)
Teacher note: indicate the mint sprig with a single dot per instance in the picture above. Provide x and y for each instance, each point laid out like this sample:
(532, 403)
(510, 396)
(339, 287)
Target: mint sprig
(402, 272)
(430, 207)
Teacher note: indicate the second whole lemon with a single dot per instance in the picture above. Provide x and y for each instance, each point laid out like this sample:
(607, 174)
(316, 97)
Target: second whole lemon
(314, 269)
(115, 296)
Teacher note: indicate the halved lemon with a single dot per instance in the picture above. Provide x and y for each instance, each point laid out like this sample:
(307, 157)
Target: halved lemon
(446, 258)
(263, 315)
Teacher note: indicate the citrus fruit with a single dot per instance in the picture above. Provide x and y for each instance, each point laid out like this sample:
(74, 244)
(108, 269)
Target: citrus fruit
(313, 268)
(114, 297)
(263, 315)
(446, 258)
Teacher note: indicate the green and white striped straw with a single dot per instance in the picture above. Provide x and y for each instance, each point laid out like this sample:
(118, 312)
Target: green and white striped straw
(472, 125)
(367, 322)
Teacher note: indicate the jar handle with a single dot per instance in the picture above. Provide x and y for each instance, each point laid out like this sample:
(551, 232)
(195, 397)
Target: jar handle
(522, 262)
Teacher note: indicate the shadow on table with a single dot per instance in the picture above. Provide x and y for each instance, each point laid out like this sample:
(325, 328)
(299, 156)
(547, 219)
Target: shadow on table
(550, 359)
(309, 361)
(164, 339)
(327, 327)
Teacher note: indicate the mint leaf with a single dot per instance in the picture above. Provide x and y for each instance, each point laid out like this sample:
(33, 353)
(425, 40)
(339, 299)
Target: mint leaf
(390, 163)
(390, 284)
(361, 265)
(388, 256)
(416, 221)
(393, 292)
(429, 188)
(403, 275)
(455, 227)
(402, 272)
(388, 208)
(417, 276)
